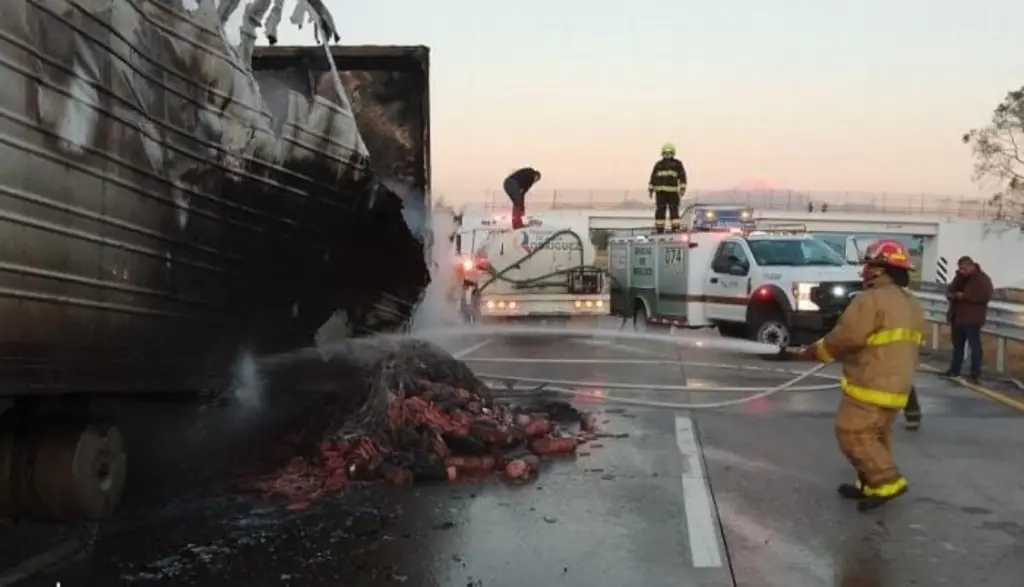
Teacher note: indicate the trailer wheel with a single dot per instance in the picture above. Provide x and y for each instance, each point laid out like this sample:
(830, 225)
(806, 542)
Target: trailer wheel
(57, 467)
(81, 471)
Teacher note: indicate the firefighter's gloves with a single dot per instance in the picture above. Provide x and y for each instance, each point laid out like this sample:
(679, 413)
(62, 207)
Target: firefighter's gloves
(805, 354)
(815, 352)
(819, 352)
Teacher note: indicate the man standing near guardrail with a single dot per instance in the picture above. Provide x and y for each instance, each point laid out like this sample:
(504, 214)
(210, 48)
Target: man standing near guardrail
(969, 295)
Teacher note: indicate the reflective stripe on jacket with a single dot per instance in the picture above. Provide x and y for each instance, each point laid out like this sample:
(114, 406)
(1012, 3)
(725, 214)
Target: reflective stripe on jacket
(877, 340)
(668, 175)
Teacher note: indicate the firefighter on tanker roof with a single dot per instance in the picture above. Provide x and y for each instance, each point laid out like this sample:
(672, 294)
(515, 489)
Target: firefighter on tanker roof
(877, 341)
(667, 186)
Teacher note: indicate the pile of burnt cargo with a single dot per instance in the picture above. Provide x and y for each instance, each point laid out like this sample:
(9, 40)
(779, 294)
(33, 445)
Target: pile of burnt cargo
(428, 418)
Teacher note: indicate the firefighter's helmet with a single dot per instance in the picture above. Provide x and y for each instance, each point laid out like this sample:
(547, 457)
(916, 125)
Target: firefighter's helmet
(668, 150)
(882, 254)
(888, 253)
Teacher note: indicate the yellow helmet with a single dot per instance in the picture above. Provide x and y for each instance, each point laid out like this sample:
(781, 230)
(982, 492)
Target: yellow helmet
(668, 149)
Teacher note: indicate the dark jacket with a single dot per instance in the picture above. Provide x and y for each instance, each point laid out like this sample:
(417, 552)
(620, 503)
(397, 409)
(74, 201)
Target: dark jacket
(970, 310)
(668, 175)
(524, 178)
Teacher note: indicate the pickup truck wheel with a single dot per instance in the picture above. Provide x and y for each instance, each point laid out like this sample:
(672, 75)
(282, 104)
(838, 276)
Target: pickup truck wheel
(773, 331)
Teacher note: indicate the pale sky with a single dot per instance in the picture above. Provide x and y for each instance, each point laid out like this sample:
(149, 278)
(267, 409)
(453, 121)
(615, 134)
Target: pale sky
(803, 94)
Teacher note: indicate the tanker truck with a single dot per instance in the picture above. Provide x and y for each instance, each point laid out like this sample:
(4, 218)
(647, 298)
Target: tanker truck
(172, 201)
(542, 272)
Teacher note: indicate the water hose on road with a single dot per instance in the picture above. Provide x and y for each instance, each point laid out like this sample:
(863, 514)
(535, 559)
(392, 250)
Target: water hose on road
(728, 345)
(746, 347)
(572, 388)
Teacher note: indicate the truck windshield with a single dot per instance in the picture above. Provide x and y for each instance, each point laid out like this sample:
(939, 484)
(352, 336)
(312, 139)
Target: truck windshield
(807, 251)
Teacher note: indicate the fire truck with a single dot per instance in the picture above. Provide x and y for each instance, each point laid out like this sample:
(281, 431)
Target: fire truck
(539, 272)
(773, 284)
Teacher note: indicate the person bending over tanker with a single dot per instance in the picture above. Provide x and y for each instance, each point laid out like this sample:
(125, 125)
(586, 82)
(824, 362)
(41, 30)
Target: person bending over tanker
(516, 185)
(667, 186)
(877, 340)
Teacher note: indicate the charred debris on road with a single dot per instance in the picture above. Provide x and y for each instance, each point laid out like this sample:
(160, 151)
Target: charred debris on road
(411, 414)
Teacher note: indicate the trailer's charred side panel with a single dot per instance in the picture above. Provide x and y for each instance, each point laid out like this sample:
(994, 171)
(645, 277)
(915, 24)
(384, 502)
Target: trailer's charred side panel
(158, 217)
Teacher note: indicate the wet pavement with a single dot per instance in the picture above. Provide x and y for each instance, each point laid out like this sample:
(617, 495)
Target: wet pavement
(743, 495)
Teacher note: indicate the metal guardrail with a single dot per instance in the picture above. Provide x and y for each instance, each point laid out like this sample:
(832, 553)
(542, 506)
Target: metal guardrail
(1005, 320)
(1010, 295)
(790, 200)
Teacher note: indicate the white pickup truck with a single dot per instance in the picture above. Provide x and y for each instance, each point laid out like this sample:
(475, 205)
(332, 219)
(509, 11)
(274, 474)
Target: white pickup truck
(780, 289)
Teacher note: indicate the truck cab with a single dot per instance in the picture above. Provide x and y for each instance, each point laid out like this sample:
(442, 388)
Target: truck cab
(778, 287)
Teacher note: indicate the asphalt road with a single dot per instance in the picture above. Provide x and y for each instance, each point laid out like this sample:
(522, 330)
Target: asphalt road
(742, 495)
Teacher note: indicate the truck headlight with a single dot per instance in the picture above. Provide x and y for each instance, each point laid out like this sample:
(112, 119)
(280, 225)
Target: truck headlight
(802, 295)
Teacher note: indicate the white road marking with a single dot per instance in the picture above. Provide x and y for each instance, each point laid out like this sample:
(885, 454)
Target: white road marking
(700, 517)
(472, 348)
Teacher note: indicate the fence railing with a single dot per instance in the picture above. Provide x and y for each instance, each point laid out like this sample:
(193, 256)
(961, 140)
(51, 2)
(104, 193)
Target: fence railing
(1005, 322)
(1010, 295)
(790, 200)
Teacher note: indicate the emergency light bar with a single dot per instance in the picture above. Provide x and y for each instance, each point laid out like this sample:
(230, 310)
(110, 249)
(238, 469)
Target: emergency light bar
(707, 219)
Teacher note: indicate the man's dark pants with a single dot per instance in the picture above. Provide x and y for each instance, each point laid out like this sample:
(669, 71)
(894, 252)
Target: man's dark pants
(517, 195)
(966, 335)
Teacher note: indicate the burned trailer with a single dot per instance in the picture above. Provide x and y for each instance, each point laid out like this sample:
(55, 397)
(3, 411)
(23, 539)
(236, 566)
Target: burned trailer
(170, 202)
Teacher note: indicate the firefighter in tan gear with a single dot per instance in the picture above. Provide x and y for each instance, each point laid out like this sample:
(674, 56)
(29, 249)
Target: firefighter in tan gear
(667, 186)
(876, 340)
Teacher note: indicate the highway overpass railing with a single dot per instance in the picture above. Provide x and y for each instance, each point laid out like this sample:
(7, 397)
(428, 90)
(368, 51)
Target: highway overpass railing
(1005, 323)
(791, 200)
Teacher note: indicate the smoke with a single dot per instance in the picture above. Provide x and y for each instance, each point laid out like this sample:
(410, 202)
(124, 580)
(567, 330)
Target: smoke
(440, 303)
(247, 385)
